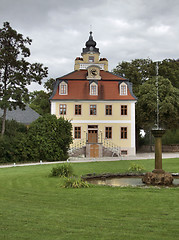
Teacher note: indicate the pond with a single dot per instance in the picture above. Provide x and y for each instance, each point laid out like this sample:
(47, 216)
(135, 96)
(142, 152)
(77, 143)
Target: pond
(124, 181)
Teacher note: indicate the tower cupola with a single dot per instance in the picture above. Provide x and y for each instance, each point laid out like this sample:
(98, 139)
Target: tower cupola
(90, 46)
(90, 56)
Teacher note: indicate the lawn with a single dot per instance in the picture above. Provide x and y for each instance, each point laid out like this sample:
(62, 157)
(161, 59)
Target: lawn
(34, 206)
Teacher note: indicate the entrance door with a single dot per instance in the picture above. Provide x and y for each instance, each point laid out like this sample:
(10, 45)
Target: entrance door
(94, 150)
(92, 136)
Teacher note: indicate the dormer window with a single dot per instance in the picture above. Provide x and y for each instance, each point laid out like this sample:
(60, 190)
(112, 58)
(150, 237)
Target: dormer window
(91, 58)
(93, 89)
(63, 89)
(123, 89)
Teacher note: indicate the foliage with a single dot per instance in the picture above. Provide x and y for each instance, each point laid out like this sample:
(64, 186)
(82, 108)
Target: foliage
(171, 136)
(139, 71)
(168, 104)
(7, 149)
(10, 143)
(15, 72)
(49, 85)
(64, 170)
(48, 139)
(39, 102)
(74, 182)
(134, 167)
(13, 128)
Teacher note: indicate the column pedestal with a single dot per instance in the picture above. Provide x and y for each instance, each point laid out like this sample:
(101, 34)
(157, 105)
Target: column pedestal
(158, 176)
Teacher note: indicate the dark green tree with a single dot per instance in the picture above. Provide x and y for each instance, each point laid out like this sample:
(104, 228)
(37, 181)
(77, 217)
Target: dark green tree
(140, 70)
(137, 71)
(49, 138)
(147, 104)
(49, 85)
(169, 68)
(15, 72)
(39, 102)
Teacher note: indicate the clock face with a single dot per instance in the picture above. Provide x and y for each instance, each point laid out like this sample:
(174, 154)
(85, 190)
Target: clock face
(94, 72)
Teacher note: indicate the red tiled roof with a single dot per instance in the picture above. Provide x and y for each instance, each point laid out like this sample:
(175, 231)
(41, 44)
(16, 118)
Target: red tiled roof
(81, 74)
(79, 88)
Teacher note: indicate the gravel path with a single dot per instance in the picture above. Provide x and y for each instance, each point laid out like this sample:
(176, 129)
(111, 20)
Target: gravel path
(139, 156)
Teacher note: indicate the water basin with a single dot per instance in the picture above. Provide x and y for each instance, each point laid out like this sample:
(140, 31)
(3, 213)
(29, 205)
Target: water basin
(124, 181)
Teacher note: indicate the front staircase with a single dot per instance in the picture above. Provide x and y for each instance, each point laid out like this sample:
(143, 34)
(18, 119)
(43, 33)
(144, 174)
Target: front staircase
(109, 149)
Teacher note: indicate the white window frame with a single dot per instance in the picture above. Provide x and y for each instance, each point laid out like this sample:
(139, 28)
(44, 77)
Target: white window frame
(122, 87)
(92, 92)
(63, 88)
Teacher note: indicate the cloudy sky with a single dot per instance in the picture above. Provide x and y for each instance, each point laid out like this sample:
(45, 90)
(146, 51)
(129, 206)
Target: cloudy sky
(123, 29)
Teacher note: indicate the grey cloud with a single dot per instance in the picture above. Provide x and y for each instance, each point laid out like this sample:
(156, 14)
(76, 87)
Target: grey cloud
(123, 30)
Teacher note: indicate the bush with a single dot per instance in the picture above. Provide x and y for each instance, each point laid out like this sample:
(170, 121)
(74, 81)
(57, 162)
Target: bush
(75, 183)
(64, 170)
(9, 148)
(136, 168)
(50, 138)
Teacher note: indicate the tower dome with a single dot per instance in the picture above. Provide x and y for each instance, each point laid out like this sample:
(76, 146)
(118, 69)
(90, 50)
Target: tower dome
(90, 42)
(90, 46)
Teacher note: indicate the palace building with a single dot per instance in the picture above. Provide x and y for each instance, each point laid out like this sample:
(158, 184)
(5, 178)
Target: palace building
(99, 104)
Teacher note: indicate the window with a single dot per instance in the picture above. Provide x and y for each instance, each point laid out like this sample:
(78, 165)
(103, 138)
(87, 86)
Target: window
(77, 132)
(123, 132)
(77, 109)
(123, 109)
(63, 88)
(123, 89)
(108, 109)
(91, 58)
(93, 89)
(92, 109)
(108, 132)
(63, 109)
(123, 152)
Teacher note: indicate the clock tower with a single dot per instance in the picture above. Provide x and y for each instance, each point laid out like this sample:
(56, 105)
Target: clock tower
(90, 56)
(99, 104)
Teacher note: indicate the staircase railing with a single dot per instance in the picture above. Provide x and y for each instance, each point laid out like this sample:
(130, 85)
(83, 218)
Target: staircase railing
(111, 146)
(77, 145)
(105, 142)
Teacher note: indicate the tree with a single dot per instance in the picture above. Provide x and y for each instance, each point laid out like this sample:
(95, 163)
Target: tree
(169, 68)
(49, 138)
(39, 102)
(168, 104)
(15, 72)
(140, 70)
(49, 85)
(137, 71)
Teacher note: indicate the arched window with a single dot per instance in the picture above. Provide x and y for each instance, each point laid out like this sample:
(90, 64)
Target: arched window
(93, 89)
(123, 89)
(63, 88)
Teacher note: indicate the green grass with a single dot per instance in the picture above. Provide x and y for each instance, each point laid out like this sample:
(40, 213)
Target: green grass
(34, 206)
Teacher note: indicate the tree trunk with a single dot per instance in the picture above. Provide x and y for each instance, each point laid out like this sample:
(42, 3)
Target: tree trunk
(3, 122)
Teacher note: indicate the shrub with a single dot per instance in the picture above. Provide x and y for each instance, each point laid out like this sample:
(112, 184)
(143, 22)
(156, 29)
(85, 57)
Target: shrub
(50, 138)
(136, 168)
(75, 183)
(64, 170)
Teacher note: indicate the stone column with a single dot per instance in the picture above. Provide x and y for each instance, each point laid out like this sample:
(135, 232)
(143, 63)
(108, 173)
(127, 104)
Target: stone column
(158, 176)
(158, 133)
